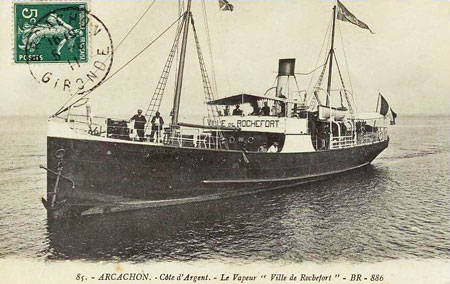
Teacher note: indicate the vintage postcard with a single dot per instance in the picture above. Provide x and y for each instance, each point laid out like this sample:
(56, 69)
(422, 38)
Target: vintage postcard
(224, 141)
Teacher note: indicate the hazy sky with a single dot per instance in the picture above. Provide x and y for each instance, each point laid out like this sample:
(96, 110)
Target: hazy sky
(407, 59)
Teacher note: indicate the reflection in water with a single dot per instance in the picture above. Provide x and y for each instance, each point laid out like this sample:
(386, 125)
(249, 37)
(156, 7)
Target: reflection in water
(294, 223)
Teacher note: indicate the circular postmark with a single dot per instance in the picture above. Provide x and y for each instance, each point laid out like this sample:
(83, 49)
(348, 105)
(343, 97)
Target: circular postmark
(69, 49)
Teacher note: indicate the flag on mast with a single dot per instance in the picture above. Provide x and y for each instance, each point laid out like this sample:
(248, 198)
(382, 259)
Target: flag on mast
(345, 15)
(224, 5)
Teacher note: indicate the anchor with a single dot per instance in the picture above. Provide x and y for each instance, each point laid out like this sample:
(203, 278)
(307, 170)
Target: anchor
(53, 206)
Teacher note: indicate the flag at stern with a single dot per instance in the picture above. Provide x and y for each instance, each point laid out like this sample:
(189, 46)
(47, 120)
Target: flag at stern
(393, 117)
(386, 110)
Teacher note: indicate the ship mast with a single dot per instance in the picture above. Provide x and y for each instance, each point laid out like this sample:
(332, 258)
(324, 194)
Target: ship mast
(179, 83)
(330, 70)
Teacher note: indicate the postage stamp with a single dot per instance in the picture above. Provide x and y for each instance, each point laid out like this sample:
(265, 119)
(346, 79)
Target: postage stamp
(75, 44)
(50, 32)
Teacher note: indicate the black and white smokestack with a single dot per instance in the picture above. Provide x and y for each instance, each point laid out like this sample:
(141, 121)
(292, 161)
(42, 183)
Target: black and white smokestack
(286, 67)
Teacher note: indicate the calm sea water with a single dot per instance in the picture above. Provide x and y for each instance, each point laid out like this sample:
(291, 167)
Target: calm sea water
(397, 208)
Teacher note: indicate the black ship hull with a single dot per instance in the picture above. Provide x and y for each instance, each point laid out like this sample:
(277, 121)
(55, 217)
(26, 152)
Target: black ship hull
(97, 177)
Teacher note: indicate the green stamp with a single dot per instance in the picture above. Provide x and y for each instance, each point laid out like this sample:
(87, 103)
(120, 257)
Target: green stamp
(50, 32)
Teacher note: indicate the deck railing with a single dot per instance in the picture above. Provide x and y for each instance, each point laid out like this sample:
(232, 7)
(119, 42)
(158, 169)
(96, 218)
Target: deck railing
(342, 142)
(202, 138)
(183, 137)
(196, 138)
(338, 142)
(88, 125)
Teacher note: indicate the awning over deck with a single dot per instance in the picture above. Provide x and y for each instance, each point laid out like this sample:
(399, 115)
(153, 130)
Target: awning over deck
(242, 99)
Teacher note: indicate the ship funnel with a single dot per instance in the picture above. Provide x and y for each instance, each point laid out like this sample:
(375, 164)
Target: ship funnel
(286, 83)
(286, 67)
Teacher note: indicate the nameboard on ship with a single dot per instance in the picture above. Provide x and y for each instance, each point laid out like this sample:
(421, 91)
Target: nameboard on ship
(248, 123)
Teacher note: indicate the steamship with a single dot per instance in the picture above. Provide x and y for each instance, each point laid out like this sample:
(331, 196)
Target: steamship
(247, 143)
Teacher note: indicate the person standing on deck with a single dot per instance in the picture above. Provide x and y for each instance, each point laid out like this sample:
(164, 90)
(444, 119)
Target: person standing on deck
(256, 109)
(157, 126)
(282, 106)
(274, 110)
(237, 110)
(266, 109)
(226, 111)
(139, 124)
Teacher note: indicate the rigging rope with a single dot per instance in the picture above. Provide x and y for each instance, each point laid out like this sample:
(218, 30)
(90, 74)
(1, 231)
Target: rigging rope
(339, 71)
(345, 93)
(348, 72)
(330, 39)
(213, 71)
(322, 74)
(342, 80)
(298, 73)
(299, 92)
(345, 57)
(61, 110)
(213, 111)
(314, 98)
(158, 94)
(320, 53)
(144, 49)
(177, 56)
(134, 26)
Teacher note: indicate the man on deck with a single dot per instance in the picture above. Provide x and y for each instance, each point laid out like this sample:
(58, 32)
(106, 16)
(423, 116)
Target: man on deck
(237, 110)
(157, 126)
(266, 109)
(282, 106)
(226, 111)
(139, 124)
